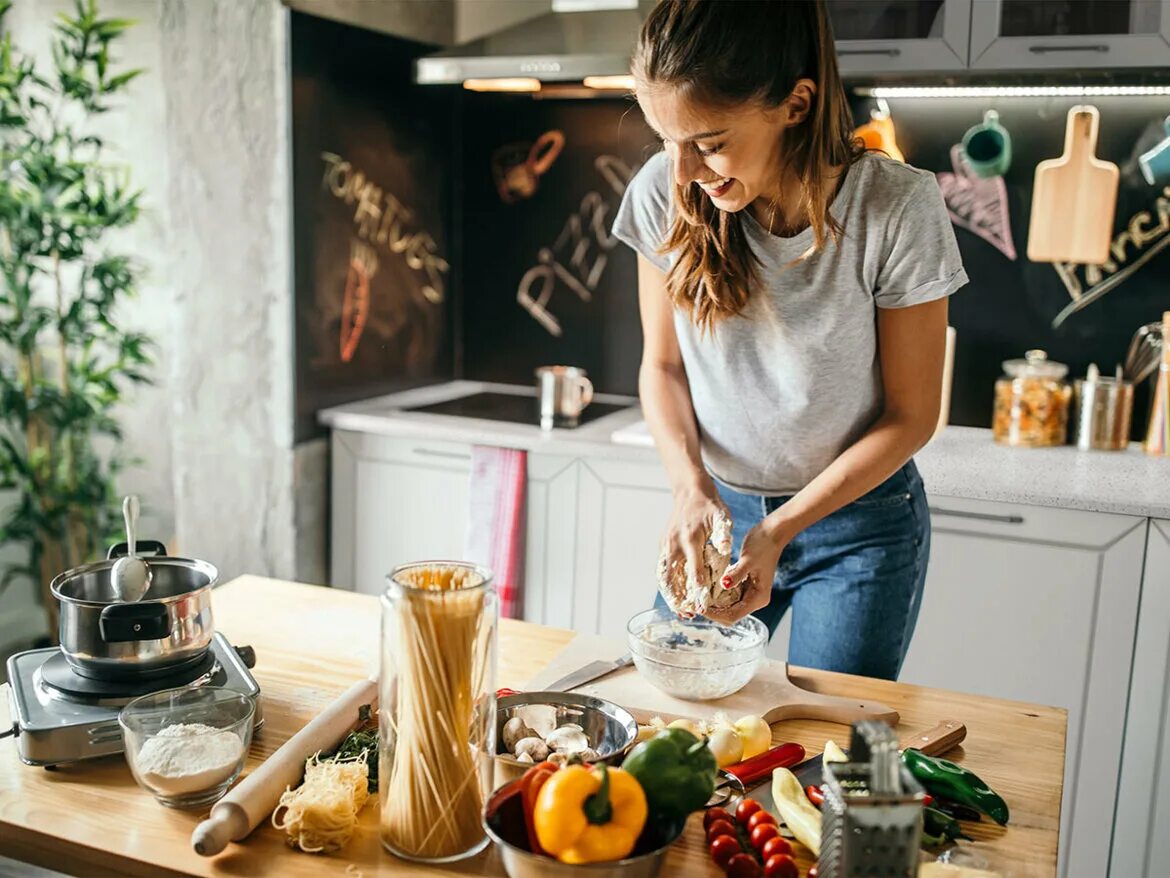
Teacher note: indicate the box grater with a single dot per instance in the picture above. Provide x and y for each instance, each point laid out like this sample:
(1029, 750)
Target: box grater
(872, 815)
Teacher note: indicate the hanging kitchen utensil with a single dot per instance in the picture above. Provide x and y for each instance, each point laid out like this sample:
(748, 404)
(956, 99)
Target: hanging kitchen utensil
(878, 133)
(1074, 198)
(1158, 432)
(130, 576)
(1144, 354)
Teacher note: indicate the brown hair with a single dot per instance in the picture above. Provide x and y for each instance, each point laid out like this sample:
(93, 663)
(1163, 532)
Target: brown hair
(731, 53)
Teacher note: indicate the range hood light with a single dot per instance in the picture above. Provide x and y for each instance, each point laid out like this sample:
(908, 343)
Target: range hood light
(610, 83)
(510, 83)
(1014, 91)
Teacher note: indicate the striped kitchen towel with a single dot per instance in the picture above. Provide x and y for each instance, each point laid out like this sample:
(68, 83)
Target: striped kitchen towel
(496, 523)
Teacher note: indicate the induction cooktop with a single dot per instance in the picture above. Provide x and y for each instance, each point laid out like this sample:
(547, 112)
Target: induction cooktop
(512, 407)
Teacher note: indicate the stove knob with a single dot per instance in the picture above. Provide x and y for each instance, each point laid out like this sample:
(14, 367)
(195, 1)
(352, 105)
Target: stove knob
(247, 654)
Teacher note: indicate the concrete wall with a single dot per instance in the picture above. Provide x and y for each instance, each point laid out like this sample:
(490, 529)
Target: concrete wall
(205, 131)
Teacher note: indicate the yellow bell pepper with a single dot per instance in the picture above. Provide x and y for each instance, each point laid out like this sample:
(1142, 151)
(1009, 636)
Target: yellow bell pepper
(589, 815)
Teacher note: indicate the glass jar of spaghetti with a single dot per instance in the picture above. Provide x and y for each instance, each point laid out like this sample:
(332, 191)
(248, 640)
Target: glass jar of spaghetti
(1031, 402)
(436, 709)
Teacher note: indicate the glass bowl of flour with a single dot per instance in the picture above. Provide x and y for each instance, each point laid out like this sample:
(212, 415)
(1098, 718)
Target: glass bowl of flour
(695, 659)
(187, 746)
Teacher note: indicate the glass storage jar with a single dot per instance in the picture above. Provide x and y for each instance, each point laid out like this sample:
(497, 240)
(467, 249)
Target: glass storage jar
(1031, 402)
(437, 708)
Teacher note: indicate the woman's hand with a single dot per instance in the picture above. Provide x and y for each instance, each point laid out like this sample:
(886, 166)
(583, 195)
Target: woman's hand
(755, 569)
(694, 515)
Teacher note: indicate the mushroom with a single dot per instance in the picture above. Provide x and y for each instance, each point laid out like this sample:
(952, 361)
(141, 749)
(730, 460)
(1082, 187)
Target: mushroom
(516, 730)
(535, 748)
(567, 739)
(525, 758)
(558, 759)
(589, 755)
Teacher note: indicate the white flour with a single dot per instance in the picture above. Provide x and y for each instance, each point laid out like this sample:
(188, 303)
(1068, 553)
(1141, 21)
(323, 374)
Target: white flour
(189, 758)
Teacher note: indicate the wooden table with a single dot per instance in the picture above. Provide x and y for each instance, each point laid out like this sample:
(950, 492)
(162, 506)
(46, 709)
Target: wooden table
(92, 819)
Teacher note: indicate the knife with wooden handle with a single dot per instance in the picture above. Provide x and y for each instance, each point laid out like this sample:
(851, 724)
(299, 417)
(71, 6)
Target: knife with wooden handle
(934, 742)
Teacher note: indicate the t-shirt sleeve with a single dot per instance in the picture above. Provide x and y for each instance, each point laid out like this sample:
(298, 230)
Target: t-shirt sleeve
(923, 262)
(644, 216)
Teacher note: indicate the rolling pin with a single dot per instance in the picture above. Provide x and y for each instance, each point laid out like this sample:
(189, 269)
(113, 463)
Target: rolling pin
(255, 797)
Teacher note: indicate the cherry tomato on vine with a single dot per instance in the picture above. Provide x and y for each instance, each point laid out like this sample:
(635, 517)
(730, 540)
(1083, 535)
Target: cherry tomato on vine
(746, 809)
(723, 848)
(743, 866)
(781, 866)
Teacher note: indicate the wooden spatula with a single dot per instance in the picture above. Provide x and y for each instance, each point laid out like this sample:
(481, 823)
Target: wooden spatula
(1074, 198)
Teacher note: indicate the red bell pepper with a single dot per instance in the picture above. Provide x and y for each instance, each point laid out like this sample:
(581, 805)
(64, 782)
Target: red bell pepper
(530, 784)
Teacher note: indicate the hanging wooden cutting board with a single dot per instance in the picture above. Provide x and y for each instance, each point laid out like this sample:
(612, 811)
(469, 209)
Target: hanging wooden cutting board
(1074, 198)
(770, 694)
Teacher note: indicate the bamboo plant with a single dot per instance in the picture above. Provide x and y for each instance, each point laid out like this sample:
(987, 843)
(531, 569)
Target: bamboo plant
(65, 361)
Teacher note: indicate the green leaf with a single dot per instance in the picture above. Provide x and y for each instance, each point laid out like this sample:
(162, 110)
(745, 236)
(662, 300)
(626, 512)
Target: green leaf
(112, 27)
(116, 83)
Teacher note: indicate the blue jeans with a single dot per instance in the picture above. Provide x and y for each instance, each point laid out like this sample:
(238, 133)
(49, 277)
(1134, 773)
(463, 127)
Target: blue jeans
(853, 580)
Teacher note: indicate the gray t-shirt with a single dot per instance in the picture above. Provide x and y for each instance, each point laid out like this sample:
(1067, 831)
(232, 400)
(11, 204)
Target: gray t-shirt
(783, 388)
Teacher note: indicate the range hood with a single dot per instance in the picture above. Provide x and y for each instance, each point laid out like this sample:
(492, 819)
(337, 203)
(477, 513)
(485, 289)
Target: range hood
(578, 39)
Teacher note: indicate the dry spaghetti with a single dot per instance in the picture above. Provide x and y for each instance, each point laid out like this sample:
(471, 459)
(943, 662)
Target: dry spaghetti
(320, 815)
(439, 645)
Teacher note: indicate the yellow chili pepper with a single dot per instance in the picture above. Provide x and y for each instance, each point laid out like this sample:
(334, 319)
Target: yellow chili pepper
(589, 815)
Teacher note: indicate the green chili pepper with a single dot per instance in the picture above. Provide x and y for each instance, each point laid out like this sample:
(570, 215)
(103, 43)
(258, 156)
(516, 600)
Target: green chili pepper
(939, 828)
(947, 780)
(676, 770)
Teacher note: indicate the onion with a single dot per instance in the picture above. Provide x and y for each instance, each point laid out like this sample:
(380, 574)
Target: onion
(726, 746)
(755, 733)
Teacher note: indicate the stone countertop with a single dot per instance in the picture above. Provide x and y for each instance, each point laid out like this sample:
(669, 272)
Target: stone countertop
(965, 462)
(960, 462)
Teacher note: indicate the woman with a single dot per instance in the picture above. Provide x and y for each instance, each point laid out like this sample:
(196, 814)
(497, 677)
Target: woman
(793, 294)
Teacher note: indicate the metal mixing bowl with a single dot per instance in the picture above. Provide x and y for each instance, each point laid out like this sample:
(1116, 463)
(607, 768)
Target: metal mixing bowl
(503, 820)
(611, 730)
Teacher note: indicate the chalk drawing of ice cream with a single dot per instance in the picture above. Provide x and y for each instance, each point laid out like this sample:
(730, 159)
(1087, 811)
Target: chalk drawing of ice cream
(977, 204)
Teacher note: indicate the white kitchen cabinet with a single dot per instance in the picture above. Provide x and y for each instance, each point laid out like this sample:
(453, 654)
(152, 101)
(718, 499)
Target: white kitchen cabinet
(879, 36)
(394, 501)
(1040, 605)
(1026, 35)
(397, 500)
(1141, 846)
(623, 509)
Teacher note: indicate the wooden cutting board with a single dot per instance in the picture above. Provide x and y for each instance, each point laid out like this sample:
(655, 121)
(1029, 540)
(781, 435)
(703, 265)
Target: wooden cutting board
(1074, 198)
(770, 693)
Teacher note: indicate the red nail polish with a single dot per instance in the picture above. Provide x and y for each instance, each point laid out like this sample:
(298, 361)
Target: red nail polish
(727, 582)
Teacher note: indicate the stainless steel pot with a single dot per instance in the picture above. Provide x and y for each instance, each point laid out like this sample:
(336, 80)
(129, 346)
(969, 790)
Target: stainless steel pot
(169, 629)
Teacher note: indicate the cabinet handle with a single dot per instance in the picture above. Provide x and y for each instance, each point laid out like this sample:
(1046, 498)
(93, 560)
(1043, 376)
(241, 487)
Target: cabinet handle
(448, 455)
(889, 53)
(978, 516)
(1043, 50)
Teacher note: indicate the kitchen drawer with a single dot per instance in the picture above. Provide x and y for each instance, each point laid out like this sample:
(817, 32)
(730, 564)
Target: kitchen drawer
(1033, 524)
(409, 451)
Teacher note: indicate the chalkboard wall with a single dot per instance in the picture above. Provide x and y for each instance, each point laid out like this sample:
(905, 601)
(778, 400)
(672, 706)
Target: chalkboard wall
(519, 195)
(1010, 305)
(373, 179)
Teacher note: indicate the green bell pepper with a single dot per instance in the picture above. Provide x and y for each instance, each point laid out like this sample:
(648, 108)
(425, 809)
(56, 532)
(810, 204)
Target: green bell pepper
(676, 770)
(947, 780)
